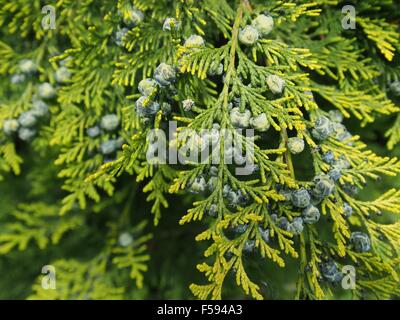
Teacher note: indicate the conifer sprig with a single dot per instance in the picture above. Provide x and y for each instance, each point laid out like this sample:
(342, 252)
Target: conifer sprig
(87, 97)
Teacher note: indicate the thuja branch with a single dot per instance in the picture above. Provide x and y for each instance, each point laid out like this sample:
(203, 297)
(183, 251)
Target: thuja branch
(232, 54)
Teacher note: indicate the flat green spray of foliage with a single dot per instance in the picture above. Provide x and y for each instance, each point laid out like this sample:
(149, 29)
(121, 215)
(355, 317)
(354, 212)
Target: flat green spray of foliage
(78, 193)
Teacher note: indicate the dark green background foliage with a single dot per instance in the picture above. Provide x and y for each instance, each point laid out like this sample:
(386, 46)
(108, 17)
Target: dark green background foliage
(64, 203)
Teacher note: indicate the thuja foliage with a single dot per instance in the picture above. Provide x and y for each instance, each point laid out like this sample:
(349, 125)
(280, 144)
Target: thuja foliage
(78, 104)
